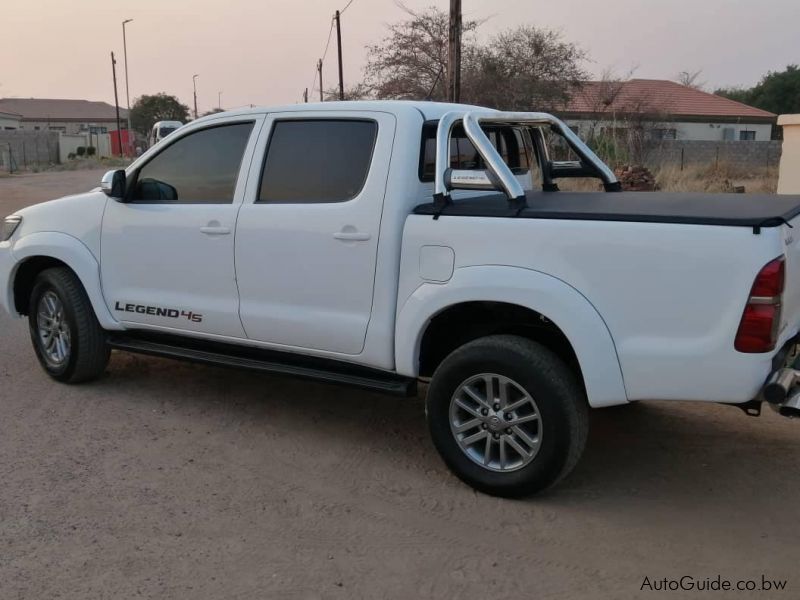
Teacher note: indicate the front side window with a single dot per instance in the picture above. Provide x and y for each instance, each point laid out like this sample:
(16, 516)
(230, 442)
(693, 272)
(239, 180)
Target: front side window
(317, 160)
(200, 168)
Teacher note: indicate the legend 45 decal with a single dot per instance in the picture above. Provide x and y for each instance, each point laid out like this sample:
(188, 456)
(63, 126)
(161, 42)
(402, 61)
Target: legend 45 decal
(159, 311)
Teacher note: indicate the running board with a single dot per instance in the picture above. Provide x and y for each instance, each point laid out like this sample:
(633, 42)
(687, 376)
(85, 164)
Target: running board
(278, 363)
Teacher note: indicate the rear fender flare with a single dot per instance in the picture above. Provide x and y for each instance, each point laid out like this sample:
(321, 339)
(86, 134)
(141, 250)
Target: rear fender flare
(561, 303)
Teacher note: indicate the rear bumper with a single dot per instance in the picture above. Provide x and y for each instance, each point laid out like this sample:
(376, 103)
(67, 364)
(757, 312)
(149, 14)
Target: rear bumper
(782, 389)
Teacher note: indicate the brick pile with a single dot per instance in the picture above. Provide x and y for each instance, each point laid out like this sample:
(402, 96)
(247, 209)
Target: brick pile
(636, 178)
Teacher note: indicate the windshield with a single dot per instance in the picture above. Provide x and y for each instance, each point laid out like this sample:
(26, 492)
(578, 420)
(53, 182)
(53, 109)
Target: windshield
(165, 131)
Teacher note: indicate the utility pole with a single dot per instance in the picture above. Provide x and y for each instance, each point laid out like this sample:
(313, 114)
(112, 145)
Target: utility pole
(194, 85)
(454, 53)
(305, 95)
(339, 46)
(319, 70)
(219, 100)
(127, 92)
(116, 100)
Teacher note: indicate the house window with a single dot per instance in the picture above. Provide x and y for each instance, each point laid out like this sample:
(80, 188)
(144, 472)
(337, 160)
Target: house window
(665, 134)
(747, 136)
(54, 128)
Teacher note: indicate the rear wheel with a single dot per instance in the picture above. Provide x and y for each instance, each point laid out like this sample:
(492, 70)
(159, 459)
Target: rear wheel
(68, 340)
(507, 415)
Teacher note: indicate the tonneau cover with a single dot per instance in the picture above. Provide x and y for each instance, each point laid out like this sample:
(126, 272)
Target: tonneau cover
(733, 210)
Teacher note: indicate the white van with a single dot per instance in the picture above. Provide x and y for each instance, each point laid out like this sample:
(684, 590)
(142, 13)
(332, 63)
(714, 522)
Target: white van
(161, 130)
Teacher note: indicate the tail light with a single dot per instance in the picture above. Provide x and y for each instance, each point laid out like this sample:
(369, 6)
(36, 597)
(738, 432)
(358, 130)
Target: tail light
(758, 330)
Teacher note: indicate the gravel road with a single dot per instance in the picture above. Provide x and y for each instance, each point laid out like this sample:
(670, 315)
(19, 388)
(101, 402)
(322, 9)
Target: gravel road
(170, 480)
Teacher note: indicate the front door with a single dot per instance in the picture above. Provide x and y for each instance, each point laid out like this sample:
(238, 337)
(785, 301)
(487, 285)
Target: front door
(307, 239)
(167, 252)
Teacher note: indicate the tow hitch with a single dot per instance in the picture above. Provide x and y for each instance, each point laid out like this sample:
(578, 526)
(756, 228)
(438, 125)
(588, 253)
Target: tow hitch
(783, 392)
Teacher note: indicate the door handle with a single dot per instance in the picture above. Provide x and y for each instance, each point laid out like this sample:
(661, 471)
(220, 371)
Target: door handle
(352, 236)
(215, 230)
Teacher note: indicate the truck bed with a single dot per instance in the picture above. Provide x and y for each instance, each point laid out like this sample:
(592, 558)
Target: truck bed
(732, 210)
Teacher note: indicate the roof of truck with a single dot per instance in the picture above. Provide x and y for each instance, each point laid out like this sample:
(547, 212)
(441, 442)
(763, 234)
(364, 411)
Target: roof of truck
(429, 110)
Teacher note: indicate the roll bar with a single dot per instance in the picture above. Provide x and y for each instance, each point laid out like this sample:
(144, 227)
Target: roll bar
(498, 175)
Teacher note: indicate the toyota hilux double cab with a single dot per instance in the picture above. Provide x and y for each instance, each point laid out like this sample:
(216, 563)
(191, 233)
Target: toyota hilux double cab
(378, 244)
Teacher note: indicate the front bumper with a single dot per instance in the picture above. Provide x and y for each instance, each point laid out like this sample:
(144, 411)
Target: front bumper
(8, 265)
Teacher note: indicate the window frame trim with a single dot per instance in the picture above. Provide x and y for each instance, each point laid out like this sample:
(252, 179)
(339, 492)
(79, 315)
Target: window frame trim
(303, 117)
(133, 178)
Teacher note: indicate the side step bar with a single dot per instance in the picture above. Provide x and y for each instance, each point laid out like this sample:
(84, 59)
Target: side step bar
(279, 363)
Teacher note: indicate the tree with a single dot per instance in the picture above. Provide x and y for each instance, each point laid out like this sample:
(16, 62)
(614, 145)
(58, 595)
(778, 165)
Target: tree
(738, 93)
(523, 68)
(411, 61)
(625, 121)
(147, 110)
(691, 79)
(520, 68)
(359, 91)
(777, 92)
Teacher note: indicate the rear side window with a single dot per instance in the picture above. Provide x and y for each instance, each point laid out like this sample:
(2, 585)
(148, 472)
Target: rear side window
(463, 155)
(317, 160)
(200, 168)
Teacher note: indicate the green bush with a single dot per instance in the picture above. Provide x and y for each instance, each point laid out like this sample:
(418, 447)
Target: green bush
(71, 156)
(81, 150)
(91, 151)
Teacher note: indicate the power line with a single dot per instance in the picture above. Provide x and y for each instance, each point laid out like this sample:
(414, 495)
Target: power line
(328, 43)
(324, 54)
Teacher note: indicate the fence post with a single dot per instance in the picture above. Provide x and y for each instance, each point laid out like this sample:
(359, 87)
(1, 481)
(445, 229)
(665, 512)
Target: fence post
(683, 150)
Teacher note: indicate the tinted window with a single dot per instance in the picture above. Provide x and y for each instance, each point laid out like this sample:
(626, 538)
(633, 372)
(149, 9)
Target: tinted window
(463, 155)
(317, 160)
(201, 167)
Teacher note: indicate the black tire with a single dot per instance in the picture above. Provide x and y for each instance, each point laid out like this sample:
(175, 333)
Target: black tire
(561, 402)
(88, 354)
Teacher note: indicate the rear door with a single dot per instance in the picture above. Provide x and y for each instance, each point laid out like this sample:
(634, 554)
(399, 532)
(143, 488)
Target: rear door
(307, 238)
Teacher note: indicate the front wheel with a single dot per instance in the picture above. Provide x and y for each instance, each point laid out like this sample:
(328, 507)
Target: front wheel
(507, 415)
(68, 340)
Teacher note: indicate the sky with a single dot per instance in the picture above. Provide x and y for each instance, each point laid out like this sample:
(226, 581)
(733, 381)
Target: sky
(265, 51)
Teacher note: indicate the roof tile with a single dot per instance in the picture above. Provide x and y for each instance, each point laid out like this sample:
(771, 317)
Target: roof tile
(656, 96)
(43, 109)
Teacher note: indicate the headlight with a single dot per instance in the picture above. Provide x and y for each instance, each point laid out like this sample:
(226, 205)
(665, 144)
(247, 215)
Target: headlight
(10, 225)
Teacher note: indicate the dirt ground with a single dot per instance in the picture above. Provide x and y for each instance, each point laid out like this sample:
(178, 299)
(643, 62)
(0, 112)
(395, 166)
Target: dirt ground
(169, 480)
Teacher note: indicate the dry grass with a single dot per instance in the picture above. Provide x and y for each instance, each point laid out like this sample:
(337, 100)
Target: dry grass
(695, 178)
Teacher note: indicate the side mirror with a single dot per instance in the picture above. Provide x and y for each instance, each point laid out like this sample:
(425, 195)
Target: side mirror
(113, 184)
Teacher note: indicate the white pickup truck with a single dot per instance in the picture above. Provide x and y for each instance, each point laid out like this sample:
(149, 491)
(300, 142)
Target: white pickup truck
(377, 244)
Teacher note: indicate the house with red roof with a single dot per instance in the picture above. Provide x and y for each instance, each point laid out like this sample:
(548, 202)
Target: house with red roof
(665, 109)
(66, 116)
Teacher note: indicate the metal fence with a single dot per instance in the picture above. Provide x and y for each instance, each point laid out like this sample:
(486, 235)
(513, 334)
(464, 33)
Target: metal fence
(25, 149)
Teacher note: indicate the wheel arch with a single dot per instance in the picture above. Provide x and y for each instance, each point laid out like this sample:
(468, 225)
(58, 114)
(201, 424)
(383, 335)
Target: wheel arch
(39, 251)
(516, 300)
